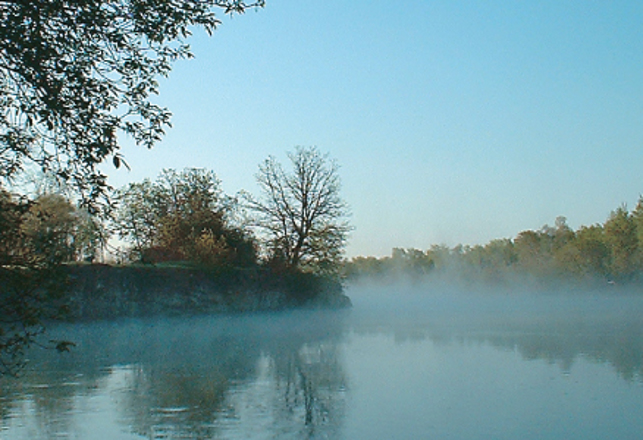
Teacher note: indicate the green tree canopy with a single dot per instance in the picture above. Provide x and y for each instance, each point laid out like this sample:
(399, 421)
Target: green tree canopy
(74, 74)
(49, 226)
(35, 238)
(621, 238)
(182, 216)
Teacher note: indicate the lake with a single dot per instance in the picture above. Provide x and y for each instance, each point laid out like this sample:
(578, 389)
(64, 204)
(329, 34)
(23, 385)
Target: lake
(403, 363)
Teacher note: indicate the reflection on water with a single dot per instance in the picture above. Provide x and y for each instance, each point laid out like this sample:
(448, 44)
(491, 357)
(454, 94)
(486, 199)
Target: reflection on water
(196, 378)
(416, 366)
(557, 329)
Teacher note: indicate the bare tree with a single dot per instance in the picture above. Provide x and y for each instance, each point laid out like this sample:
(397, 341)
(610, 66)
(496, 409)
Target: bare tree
(301, 212)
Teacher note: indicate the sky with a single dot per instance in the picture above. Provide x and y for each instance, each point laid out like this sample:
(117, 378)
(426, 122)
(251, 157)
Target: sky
(454, 122)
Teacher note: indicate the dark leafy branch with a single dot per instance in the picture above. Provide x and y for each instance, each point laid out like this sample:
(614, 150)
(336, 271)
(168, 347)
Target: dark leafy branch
(74, 75)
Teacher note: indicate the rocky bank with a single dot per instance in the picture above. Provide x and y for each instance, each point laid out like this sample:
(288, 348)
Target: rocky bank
(104, 292)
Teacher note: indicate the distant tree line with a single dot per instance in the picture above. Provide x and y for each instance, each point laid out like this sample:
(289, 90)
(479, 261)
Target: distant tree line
(601, 254)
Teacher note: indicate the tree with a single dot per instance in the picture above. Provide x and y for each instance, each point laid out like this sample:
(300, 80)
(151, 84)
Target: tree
(182, 216)
(621, 238)
(50, 227)
(33, 244)
(637, 218)
(365, 267)
(137, 214)
(491, 261)
(593, 252)
(192, 206)
(91, 236)
(409, 262)
(301, 212)
(74, 74)
(534, 252)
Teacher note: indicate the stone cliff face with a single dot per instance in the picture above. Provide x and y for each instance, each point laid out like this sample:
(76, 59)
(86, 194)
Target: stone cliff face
(101, 291)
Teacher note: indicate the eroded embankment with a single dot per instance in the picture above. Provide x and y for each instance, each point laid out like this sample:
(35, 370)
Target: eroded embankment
(102, 291)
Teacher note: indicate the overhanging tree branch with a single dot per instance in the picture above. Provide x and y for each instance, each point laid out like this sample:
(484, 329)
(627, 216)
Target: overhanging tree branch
(76, 74)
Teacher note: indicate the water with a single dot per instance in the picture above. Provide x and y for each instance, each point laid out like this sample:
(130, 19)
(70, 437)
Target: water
(398, 365)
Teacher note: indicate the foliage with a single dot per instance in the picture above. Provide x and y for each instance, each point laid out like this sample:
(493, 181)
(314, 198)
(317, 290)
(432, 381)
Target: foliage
(90, 237)
(593, 251)
(138, 209)
(190, 208)
(301, 212)
(611, 253)
(621, 238)
(49, 227)
(33, 244)
(182, 216)
(76, 74)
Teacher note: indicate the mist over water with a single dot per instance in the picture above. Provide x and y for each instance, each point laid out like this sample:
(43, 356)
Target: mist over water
(455, 302)
(505, 362)
(556, 325)
(409, 360)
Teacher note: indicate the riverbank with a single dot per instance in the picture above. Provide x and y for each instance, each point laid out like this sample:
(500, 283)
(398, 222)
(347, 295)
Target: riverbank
(100, 291)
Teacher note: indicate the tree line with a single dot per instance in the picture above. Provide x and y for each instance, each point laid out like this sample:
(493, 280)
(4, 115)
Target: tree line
(601, 254)
(299, 222)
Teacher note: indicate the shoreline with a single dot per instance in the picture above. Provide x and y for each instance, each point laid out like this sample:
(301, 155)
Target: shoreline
(100, 291)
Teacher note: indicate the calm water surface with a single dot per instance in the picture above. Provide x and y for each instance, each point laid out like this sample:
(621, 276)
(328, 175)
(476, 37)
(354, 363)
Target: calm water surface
(399, 366)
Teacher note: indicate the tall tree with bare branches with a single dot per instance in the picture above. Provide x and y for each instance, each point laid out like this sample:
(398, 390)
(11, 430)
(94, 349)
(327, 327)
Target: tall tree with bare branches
(301, 211)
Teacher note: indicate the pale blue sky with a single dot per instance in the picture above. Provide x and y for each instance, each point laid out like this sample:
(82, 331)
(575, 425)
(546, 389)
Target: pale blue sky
(453, 121)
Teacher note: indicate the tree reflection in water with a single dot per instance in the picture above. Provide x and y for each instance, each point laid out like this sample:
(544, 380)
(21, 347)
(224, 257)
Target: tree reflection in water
(312, 382)
(556, 328)
(284, 375)
(194, 378)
